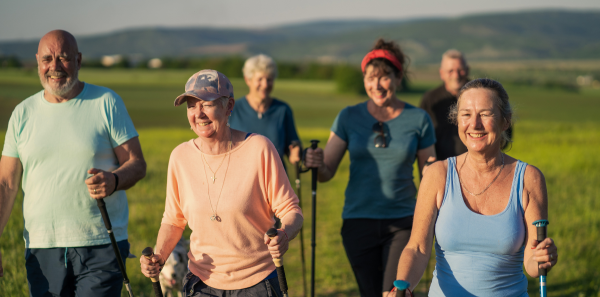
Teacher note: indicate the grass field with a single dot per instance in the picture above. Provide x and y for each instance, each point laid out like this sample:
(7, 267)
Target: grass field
(557, 131)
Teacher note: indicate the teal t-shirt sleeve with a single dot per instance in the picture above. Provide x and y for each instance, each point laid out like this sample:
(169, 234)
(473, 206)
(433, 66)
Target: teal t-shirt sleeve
(290, 127)
(120, 124)
(10, 139)
(338, 126)
(427, 138)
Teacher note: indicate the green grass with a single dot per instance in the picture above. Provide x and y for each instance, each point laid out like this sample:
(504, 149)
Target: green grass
(557, 131)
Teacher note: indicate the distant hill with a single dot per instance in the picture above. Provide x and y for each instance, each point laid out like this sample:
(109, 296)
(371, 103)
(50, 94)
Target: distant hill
(551, 34)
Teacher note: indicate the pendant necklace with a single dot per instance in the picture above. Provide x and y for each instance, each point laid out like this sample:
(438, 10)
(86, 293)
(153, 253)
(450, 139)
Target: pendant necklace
(214, 173)
(488, 186)
(215, 216)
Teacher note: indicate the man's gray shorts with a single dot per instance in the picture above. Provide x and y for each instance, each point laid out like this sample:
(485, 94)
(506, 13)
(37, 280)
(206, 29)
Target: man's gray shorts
(90, 271)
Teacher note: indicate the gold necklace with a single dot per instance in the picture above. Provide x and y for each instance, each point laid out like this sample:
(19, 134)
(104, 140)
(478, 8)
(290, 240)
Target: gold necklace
(215, 216)
(488, 186)
(214, 173)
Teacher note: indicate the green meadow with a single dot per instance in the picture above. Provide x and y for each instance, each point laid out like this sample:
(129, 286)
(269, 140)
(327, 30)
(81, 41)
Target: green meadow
(557, 130)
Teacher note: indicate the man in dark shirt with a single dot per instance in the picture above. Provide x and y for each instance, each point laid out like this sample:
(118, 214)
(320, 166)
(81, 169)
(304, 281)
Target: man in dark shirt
(454, 73)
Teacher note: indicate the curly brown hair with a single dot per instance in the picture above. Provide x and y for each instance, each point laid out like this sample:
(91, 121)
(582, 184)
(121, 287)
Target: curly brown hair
(385, 66)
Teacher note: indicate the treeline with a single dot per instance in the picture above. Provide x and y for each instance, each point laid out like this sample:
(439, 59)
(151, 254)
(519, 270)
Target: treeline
(10, 62)
(348, 78)
(230, 66)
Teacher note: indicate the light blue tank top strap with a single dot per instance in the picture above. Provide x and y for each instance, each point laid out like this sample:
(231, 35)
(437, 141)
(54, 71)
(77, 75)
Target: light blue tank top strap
(479, 255)
(453, 184)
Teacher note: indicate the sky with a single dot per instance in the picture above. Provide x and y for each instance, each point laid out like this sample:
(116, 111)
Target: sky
(31, 19)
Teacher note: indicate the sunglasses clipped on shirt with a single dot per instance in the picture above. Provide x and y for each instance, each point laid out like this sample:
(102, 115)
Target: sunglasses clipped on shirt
(379, 140)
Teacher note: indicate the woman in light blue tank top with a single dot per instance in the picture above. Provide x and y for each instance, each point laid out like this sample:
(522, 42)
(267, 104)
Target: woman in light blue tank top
(480, 206)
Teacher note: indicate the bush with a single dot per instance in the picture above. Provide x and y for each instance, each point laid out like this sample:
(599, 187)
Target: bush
(288, 70)
(349, 79)
(10, 62)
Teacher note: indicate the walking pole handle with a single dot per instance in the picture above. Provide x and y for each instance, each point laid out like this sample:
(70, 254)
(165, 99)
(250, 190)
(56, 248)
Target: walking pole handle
(541, 235)
(104, 213)
(279, 266)
(315, 171)
(314, 144)
(148, 253)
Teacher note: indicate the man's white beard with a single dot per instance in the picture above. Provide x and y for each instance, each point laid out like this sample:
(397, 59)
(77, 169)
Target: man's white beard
(60, 91)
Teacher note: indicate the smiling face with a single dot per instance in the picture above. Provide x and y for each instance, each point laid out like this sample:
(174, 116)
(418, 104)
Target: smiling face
(480, 123)
(208, 118)
(381, 87)
(58, 64)
(454, 73)
(260, 85)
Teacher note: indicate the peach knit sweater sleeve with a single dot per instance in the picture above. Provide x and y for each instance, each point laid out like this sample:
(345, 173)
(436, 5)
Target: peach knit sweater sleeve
(250, 187)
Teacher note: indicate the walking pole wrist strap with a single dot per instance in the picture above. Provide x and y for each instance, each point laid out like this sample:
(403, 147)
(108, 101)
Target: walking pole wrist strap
(407, 289)
(286, 236)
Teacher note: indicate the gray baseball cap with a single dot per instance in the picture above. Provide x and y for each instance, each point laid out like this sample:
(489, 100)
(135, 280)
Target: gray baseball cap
(206, 85)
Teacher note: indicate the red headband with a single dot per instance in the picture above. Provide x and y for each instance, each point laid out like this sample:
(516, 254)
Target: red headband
(380, 53)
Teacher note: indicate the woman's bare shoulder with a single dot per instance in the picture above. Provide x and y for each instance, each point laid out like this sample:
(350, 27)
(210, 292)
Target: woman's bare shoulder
(437, 170)
(534, 181)
(434, 179)
(533, 175)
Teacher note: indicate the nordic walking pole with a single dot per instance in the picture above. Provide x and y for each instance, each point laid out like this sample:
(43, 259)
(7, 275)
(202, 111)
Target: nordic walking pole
(279, 265)
(299, 193)
(313, 227)
(113, 241)
(541, 235)
(148, 253)
(401, 287)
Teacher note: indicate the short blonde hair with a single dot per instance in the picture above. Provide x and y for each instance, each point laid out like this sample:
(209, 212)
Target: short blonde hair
(260, 63)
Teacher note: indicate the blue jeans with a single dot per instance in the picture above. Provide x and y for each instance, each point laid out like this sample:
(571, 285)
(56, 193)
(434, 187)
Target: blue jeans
(75, 271)
(193, 286)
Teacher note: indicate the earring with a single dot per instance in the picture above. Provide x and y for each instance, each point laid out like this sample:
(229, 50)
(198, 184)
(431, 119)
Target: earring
(191, 128)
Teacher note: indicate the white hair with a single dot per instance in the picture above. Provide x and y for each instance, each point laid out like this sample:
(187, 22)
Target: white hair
(454, 54)
(223, 100)
(260, 63)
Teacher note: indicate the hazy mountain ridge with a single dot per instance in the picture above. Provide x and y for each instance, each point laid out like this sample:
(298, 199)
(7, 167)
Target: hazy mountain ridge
(551, 34)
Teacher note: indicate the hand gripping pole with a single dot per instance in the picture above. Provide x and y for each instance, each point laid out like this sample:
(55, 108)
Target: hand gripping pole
(279, 266)
(148, 253)
(541, 235)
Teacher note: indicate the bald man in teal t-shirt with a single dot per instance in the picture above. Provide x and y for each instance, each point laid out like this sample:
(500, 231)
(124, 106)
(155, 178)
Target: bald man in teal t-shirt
(70, 144)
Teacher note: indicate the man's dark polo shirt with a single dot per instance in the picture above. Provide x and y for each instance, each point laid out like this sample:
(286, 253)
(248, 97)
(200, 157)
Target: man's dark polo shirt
(437, 103)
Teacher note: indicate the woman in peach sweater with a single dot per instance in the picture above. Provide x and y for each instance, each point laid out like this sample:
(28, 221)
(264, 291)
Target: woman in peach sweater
(226, 185)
